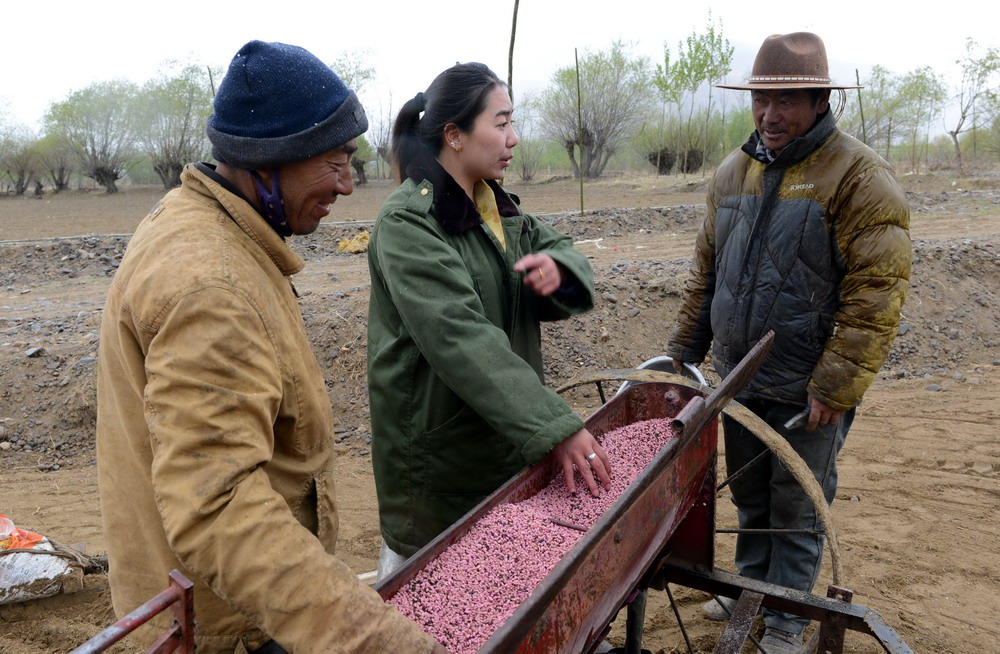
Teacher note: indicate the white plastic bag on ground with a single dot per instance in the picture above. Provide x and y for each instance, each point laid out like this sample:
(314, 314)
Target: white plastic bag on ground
(27, 575)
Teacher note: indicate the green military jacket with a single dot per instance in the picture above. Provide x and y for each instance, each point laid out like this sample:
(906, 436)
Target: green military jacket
(458, 403)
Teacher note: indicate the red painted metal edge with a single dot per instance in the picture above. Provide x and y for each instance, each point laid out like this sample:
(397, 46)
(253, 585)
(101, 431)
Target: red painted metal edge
(569, 610)
(179, 638)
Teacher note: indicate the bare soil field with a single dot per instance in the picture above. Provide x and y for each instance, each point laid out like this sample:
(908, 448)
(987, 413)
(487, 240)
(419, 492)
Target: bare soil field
(918, 508)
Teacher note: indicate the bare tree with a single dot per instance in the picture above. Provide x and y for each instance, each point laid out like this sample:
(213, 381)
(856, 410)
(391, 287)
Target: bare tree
(977, 72)
(380, 136)
(615, 91)
(100, 125)
(172, 130)
(530, 145)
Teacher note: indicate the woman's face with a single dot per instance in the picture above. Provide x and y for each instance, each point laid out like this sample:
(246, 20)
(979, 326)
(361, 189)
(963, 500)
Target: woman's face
(488, 148)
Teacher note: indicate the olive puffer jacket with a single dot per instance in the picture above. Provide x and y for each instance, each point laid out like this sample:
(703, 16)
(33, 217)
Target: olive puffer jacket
(814, 245)
(457, 400)
(214, 437)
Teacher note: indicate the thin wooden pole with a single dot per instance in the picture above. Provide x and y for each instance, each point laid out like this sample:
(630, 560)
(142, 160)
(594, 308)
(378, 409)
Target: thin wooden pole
(579, 124)
(510, 54)
(861, 108)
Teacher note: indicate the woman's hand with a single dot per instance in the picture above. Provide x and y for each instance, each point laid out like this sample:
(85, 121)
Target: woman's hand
(541, 273)
(583, 450)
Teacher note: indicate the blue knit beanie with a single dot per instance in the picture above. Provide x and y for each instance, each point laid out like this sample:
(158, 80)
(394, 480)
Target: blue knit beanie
(279, 104)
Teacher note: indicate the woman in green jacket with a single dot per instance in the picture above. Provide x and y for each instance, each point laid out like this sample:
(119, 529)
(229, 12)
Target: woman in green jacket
(461, 279)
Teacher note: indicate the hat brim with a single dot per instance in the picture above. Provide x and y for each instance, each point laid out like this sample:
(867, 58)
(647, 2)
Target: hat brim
(775, 86)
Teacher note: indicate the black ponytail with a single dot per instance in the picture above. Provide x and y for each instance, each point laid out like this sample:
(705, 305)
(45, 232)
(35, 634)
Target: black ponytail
(457, 95)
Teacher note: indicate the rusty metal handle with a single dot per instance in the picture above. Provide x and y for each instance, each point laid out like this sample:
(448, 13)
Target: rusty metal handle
(179, 638)
(700, 411)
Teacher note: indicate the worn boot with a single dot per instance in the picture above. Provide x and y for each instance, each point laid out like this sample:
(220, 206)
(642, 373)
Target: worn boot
(713, 610)
(776, 641)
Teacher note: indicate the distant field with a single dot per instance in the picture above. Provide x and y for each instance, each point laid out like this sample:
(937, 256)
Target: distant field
(73, 213)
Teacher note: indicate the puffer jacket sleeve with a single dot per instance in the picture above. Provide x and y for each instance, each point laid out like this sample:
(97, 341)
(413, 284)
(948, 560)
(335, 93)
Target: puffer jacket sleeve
(691, 337)
(576, 294)
(873, 237)
(437, 302)
(214, 388)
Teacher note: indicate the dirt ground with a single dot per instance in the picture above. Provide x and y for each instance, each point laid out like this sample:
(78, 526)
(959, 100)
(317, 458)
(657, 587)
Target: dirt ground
(918, 508)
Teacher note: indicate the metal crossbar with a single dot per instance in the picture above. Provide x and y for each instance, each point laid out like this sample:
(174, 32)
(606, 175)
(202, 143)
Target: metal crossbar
(178, 639)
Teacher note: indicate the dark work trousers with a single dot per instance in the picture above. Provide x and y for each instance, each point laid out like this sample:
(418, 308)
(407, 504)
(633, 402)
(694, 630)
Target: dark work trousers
(767, 496)
(270, 647)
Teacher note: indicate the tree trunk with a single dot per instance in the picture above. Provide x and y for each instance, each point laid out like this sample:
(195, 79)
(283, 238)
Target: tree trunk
(21, 182)
(106, 178)
(59, 176)
(958, 152)
(571, 151)
(359, 168)
(169, 173)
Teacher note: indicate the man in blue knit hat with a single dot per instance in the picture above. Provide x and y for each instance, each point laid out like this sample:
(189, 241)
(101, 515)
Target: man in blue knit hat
(214, 429)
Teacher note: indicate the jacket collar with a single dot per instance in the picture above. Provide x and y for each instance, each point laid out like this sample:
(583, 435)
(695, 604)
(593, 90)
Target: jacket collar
(454, 210)
(799, 148)
(202, 178)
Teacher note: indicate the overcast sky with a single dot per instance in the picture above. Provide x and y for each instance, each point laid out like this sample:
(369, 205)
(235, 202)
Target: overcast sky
(49, 50)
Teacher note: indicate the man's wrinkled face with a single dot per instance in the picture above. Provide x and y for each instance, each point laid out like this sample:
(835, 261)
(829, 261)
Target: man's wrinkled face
(310, 187)
(784, 115)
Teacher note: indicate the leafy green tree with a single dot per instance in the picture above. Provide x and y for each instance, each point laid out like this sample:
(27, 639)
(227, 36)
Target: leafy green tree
(922, 94)
(5, 120)
(614, 92)
(879, 104)
(174, 107)
(350, 66)
(979, 70)
(703, 59)
(737, 124)
(55, 161)
(655, 139)
(18, 160)
(361, 158)
(991, 120)
(100, 123)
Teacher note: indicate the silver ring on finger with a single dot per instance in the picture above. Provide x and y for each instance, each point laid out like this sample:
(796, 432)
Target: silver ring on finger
(590, 457)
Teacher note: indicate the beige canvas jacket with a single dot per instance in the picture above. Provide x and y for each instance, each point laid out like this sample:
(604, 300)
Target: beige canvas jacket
(215, 451)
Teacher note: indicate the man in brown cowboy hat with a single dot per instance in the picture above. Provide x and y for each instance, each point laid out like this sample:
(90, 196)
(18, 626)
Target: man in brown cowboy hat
(807, 234)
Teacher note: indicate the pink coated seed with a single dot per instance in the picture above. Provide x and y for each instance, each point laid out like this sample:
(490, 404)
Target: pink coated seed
(465, 594)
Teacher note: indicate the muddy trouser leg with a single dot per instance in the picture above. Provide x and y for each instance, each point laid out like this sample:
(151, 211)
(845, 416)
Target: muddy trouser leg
(768, 496)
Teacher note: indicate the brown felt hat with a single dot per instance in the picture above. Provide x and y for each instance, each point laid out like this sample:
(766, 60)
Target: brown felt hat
(790, 61)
